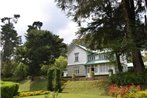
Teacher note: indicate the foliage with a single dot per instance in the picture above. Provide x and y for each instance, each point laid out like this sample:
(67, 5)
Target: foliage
(57, 80)
(9, 38)
(33, 93)
(42, 49)
(7, 69)
(103, 31)
(50, 79)
(138, 94)
(36, 25)
(54, 81)
(129, 78)
(60, 62)
(21, 71)
(122, 91)
(8, 89)
(44, 69)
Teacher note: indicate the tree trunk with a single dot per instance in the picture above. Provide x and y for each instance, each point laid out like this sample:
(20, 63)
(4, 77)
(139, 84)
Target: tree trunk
(137, 61)
(118, 62)
(129, 14)
(145, 26)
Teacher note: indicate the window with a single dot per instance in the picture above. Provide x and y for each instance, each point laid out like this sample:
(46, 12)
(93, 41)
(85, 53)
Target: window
(102, 57)
(76, 70)
(103, 68)
(91, 57)
(76, 57)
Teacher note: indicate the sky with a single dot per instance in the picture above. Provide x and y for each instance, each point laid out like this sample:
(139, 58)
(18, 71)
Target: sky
(46, 11)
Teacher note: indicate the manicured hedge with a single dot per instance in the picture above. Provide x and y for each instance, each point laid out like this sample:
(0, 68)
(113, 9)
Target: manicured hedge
(8, 89)
(54, 79)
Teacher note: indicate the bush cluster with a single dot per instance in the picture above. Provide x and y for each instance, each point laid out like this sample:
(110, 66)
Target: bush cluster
(122, 91)
(8, 89)
(139, 94)
(33, 93)
(54, 79)
(129, 78)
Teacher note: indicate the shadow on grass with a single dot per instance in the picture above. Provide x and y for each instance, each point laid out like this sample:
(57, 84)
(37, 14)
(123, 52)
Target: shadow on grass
(38, 85)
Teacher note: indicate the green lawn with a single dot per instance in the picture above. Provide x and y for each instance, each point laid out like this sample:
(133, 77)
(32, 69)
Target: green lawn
(38, 84)
(71, 89)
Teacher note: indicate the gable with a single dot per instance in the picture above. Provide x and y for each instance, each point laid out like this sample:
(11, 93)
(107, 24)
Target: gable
(82, 56)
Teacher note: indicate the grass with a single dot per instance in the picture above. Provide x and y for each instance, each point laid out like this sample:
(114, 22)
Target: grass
(85, 87)
(38, 84)
(71, 89)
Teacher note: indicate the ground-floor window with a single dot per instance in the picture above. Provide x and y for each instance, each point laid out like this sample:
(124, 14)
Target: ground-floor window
(76, 70)
(98, 68)
(103, 68)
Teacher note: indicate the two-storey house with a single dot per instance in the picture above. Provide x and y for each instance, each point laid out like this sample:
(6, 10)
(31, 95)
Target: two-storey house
(82, 60)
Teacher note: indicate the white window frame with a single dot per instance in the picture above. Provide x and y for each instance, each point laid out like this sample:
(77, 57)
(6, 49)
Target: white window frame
(76, 57)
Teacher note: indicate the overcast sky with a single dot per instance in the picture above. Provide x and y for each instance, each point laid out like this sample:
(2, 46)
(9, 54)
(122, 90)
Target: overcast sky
(45, 11)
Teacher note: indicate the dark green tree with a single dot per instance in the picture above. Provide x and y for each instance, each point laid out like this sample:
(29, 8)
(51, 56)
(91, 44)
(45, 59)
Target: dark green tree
(131, 13)
(42, 47)
(108, 24)
(9, 38)
(36, 25)
(9, 41)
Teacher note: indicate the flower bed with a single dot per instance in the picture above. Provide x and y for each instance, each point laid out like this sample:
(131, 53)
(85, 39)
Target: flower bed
(33, 93)
(122, 91)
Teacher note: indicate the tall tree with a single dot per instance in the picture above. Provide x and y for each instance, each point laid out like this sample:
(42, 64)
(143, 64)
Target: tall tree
(130, 17)
(36, 25)
(9, 38)
(42, 49)
(107, 23)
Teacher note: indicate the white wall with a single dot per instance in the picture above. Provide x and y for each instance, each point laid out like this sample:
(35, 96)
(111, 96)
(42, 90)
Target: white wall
(82, 56)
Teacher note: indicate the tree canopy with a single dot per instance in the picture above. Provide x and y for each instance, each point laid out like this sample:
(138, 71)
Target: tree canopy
(41, 47)
(9, 38)
(110, 24)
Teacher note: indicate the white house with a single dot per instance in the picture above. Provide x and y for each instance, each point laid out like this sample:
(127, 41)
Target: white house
(81, 61)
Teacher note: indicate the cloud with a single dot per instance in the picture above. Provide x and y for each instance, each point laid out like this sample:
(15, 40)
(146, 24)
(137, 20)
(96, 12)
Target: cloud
(45, 11)
(68, 33)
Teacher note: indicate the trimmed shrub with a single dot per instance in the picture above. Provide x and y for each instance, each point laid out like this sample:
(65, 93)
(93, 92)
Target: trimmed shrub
(50, 79)
(129, 78)
(54, 79)
(57, 80)
(8, 89)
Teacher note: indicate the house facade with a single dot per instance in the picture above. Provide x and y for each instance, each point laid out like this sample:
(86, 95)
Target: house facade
(81, 61)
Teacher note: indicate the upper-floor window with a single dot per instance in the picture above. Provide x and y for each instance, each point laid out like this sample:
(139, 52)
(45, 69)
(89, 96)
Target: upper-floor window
(101, 57)
(91, 57)
(76, 57)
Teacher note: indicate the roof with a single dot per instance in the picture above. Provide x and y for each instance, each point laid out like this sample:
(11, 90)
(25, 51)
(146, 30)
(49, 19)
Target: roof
(97, 62)
(94, 51)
